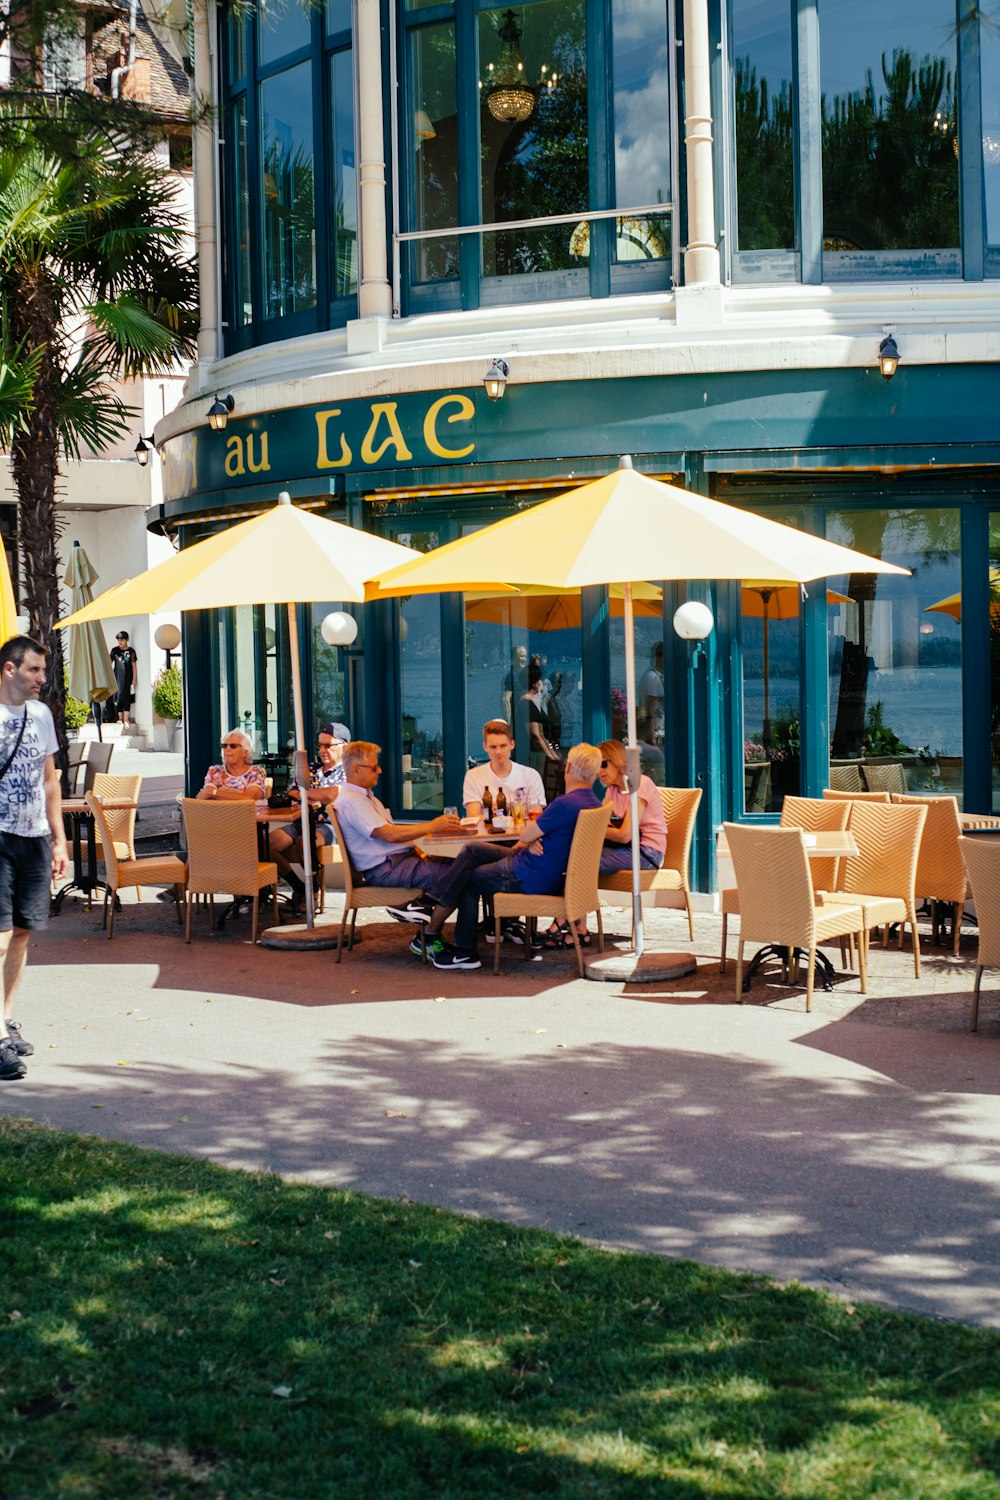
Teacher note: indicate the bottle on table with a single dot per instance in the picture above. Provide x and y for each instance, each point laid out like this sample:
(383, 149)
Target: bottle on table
(488, 808)
(501, 803)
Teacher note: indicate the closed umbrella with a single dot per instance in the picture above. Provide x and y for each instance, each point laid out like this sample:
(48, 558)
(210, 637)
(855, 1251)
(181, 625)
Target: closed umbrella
(620, 529)
(90, 676)
(284, 556)
(767, 601)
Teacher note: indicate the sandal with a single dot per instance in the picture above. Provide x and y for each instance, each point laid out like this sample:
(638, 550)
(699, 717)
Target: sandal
(561, 937)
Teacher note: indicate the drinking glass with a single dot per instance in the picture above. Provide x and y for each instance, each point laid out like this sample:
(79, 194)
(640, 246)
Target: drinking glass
(535, 811)
(451, 812)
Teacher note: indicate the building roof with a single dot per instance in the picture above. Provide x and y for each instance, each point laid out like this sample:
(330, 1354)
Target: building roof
(169, 86)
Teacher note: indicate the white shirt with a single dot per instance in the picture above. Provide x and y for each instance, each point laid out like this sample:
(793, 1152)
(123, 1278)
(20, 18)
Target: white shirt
(22, 790)
(481, 777)
(359, 813)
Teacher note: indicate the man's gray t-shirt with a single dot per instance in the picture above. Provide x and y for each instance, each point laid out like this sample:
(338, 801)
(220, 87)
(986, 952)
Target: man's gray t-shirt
(22, 790)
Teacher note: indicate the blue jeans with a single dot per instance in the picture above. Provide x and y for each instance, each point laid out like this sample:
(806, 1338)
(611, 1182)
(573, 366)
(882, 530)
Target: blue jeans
(619, 857)
(480, 870)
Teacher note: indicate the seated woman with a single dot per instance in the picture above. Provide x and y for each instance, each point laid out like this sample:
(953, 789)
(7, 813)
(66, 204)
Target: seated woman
(617, 851)
(237, 779)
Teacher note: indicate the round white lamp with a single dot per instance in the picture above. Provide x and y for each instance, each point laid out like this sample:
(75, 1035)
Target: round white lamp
(338, 628)
(693, 621)
(167, 637)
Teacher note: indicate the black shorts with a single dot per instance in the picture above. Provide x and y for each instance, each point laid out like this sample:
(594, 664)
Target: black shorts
(25, 879)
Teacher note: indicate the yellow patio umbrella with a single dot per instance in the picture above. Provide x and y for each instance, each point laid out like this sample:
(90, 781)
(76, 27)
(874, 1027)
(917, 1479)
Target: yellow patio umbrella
(8, 609)
(767, 600)
(90, 676)
(283, 556)
(554, 609)
(618, 530)
(953, 604)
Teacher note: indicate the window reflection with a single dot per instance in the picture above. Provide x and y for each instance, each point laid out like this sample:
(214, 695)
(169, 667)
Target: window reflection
(989, 41)
(289, 193)
(434, 142)
(422, 731)
(650, 703)
(995, 654)
(890, 164)
(284, 26)
(240, 269)
(895, 656)
(762, 84)
(345, 197)
(641, 83)
(771, 700)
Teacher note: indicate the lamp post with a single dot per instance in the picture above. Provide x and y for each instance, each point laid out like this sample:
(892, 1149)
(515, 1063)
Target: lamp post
(168, 638)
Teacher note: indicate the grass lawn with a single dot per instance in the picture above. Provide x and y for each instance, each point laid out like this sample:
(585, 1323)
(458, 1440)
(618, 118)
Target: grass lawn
(169, 1328)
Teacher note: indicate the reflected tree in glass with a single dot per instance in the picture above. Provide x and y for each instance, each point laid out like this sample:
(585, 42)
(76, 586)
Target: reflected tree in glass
(765, 209)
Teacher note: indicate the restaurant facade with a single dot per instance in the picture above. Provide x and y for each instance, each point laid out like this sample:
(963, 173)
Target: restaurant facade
(683, 233)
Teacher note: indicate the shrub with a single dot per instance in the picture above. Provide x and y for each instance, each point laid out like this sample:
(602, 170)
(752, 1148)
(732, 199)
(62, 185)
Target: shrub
(168, 698)
(77, 713)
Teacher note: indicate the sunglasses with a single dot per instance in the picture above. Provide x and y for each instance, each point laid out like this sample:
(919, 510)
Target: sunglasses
(231, 745)
(604, 765)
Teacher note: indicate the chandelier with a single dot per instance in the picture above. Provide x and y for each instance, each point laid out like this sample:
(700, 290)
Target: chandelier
(509, 97)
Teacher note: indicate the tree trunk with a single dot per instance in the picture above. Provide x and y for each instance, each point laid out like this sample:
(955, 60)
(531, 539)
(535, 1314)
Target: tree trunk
(34, 316)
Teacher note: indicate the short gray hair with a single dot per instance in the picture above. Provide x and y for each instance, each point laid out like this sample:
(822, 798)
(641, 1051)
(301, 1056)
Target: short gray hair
(583, 762)
(356, 752)
(244, 739)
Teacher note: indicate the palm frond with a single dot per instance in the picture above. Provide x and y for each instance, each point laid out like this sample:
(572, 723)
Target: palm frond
(17, 392)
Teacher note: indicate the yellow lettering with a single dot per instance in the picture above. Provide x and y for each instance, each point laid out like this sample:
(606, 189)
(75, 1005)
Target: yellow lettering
(323, 459)
(434, 443)
(234, 456)
(263, 465)
(394, 438)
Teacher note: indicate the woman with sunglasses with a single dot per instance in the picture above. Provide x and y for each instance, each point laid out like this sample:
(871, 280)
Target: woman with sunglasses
(237, 779)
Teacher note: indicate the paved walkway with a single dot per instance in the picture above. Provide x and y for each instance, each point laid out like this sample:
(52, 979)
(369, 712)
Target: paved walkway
(855, 1148)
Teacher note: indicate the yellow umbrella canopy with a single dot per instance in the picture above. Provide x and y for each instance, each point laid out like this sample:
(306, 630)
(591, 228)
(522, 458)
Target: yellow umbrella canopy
(283, 556)
(90, 676)
(953, 604)
(539, 608)
(620, 529)
(8, 609)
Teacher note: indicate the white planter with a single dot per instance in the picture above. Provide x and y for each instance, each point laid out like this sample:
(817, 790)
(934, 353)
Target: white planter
(175, 735)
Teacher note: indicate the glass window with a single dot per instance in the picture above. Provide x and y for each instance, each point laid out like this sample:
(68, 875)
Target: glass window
(239, 254)
(641, 85)
(344, 196)
(770, 636)
(422, 728)
(890, 164)
(762, 110)
(989, 41)
(895, 655)
(649, 693)
(289, 223)
(238, 48)
(434, 143)
(330, 685)
(338, 16)
(534, 151)
(284, 26)
(994, 654)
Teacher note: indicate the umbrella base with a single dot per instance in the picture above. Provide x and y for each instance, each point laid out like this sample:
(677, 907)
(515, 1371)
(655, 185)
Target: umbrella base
(629, 968)
(299, 937)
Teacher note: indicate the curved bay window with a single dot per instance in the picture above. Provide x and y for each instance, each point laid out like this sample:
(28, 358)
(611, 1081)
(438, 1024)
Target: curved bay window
(291, 204)
(518, 116)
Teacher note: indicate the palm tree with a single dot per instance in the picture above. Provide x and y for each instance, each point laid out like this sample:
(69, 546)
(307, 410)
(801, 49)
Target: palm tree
(96, 287)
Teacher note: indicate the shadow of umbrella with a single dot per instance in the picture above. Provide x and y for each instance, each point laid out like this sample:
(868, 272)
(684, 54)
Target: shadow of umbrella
(775, 601)
(90, 676)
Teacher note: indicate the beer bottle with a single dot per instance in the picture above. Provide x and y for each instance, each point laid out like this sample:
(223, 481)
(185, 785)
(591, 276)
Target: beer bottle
(488, 808)
(501, 803)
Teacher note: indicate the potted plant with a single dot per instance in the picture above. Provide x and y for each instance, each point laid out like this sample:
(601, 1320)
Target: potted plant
(76, 712)
(168, 704)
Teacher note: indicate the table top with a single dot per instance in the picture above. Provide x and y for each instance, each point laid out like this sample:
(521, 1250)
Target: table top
(450, 845)
(109, 804)
(980, 820)
(834, 844)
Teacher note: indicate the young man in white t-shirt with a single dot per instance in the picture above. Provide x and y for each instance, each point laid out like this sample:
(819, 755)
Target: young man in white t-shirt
(32, 840)
(500, 771)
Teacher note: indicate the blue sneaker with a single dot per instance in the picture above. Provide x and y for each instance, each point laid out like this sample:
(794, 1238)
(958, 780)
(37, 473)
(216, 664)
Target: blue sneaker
(435, 947)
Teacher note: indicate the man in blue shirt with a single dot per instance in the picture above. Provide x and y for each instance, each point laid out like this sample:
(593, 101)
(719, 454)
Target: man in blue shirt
(537, 865)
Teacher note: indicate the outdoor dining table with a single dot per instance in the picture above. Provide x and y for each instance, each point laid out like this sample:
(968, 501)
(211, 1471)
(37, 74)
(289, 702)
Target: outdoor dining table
(82, 821)
(831, 844)
(450, 845)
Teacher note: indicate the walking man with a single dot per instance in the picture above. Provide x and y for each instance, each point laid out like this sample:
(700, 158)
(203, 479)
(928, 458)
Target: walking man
(32, 841)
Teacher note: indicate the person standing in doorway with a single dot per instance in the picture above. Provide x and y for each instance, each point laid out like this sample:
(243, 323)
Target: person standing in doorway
(125, 665)
(32, 840)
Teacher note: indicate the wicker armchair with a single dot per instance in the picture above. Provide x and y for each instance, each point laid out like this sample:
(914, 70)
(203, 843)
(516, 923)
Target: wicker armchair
(361, 897)
(164, 869)
(812, 815)
(222, 856)
(778, 904)
(940, 868)
(96, 762)
(833, 794)
(120, 821)
(882, 879)
(680, 808)
(982, 860)
(579, 896)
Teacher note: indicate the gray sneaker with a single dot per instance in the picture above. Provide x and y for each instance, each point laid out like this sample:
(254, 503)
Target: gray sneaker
(21, 1047)
(11, 1065)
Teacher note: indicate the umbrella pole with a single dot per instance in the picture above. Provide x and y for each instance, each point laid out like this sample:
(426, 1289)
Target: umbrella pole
(766, 726)
(633, 769)
(98, 711)
(301, 760)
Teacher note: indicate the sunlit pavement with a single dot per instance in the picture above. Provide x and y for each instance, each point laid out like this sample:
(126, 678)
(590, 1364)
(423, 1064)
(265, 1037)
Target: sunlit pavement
(855, 1148)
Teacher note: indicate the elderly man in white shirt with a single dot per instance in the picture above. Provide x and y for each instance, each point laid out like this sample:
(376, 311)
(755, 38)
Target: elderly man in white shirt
(371, 834)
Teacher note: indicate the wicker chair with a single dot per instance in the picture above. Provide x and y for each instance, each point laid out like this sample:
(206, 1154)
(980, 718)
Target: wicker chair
(94, 763)
(680, 808)
(361, 897)
(579, 897)
(889, 777)
(846, 777)
(940, 869)
(222, 856)
(882, 879)
(812, 815)
(982, 860)
(832, 794)
(778, 904)
(164, 869)
(119, 822)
